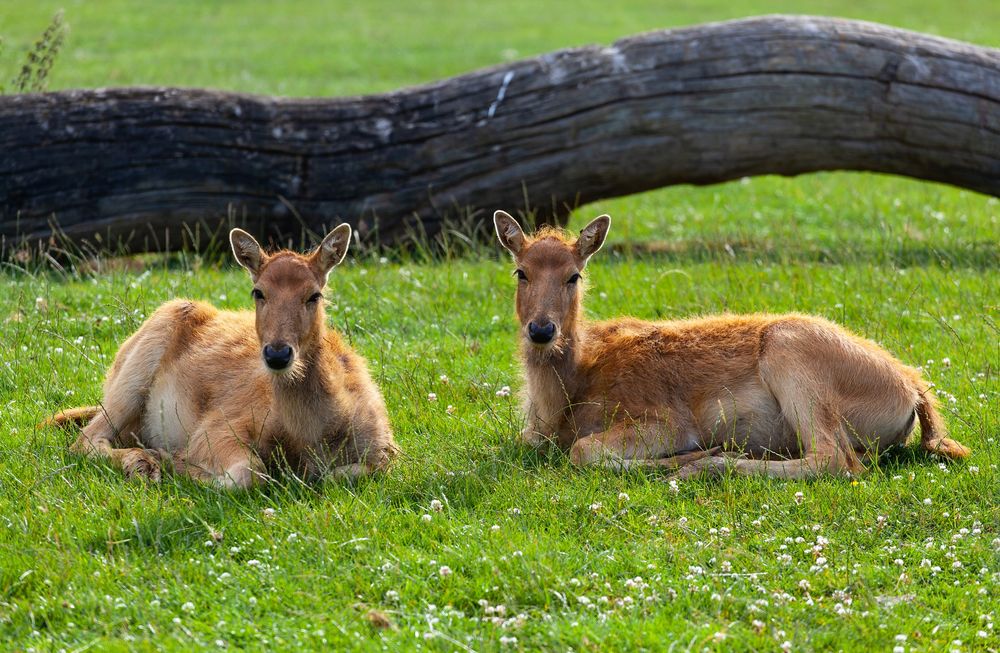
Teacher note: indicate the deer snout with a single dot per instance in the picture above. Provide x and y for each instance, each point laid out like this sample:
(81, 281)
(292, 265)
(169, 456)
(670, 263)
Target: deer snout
(541, 334)
(277, 356)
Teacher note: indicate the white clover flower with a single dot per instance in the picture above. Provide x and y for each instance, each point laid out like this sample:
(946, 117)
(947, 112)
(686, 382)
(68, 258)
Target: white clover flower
(425, 517)
(799, 497)
(444, 571)
(432, 396)
(928, 501)
(494, 528)
(268, 513)
(188, 607)
(444, 379)
(622, 496)
(253, 562)
(596, 506)
(504, 391)
(436, 505)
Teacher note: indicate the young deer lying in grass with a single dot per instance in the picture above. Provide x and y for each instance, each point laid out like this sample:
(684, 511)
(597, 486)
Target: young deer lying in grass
(797, 395)
(220, 393)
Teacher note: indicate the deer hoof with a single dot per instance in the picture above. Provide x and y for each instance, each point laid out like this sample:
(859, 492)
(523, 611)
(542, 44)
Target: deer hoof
(139, 463)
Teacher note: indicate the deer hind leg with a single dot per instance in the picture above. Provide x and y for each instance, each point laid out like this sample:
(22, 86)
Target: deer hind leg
(812, 413)
(824, 445)
(114, 433)
(99, 440)
(220, 452)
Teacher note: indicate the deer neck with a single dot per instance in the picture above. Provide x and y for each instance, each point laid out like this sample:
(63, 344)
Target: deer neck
(553, 380)
(302, 404)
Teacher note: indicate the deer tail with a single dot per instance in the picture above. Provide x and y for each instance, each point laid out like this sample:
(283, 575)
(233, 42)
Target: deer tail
(933, 433)
(70, 416)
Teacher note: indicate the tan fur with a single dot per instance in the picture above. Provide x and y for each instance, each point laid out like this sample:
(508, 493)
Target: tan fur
(191, 388)
(794, 395)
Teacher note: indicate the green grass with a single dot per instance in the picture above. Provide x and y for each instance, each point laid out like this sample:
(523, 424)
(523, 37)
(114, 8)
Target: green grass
(90, 560)
(311, 47)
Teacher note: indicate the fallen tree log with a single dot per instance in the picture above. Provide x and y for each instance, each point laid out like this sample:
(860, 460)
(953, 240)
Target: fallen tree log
(772, 95)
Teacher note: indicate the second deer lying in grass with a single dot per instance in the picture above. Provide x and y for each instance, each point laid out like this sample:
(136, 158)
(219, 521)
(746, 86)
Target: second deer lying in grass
(797, 395)
(220, 394)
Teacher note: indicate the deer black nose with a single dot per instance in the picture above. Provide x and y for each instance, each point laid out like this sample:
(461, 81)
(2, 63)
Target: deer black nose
(541, 334)
(277, 357)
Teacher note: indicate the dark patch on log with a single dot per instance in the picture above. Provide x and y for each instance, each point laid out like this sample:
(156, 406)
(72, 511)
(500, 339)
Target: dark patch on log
(704, 104)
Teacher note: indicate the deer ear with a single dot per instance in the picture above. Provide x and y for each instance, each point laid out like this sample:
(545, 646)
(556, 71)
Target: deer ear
(509, 232)
(332, 250)
(592, 237)
(247, 252)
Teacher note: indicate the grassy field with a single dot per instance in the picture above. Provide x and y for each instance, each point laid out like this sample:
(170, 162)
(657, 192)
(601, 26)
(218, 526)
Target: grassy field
(540, 555)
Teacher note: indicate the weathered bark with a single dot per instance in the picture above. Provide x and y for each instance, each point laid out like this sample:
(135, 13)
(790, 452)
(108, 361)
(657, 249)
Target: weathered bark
(704, 104)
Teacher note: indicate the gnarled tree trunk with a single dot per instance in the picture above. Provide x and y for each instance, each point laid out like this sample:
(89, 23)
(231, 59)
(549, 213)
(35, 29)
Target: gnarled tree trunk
(703, 104)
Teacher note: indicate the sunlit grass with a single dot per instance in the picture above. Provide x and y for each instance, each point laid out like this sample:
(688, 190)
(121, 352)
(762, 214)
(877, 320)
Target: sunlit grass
(541, 556)
(559, 549)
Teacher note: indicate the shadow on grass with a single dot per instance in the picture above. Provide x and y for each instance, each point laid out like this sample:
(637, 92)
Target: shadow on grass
(198, 513)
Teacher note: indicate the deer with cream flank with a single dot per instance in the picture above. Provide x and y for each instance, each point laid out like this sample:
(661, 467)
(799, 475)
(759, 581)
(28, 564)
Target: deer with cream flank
(791, 396)
(219, 395)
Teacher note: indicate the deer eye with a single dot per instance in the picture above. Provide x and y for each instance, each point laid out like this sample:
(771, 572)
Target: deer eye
(521, 276)
(257, 295)
(573, 279)
(315, 297)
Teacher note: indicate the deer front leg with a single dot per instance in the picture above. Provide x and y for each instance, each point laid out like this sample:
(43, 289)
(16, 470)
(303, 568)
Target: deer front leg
(237, 471)
(534, 432)
(827, 450)
(219, 452)
(370, 448)
(809, 466)
(635, 444)
(542, 429)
